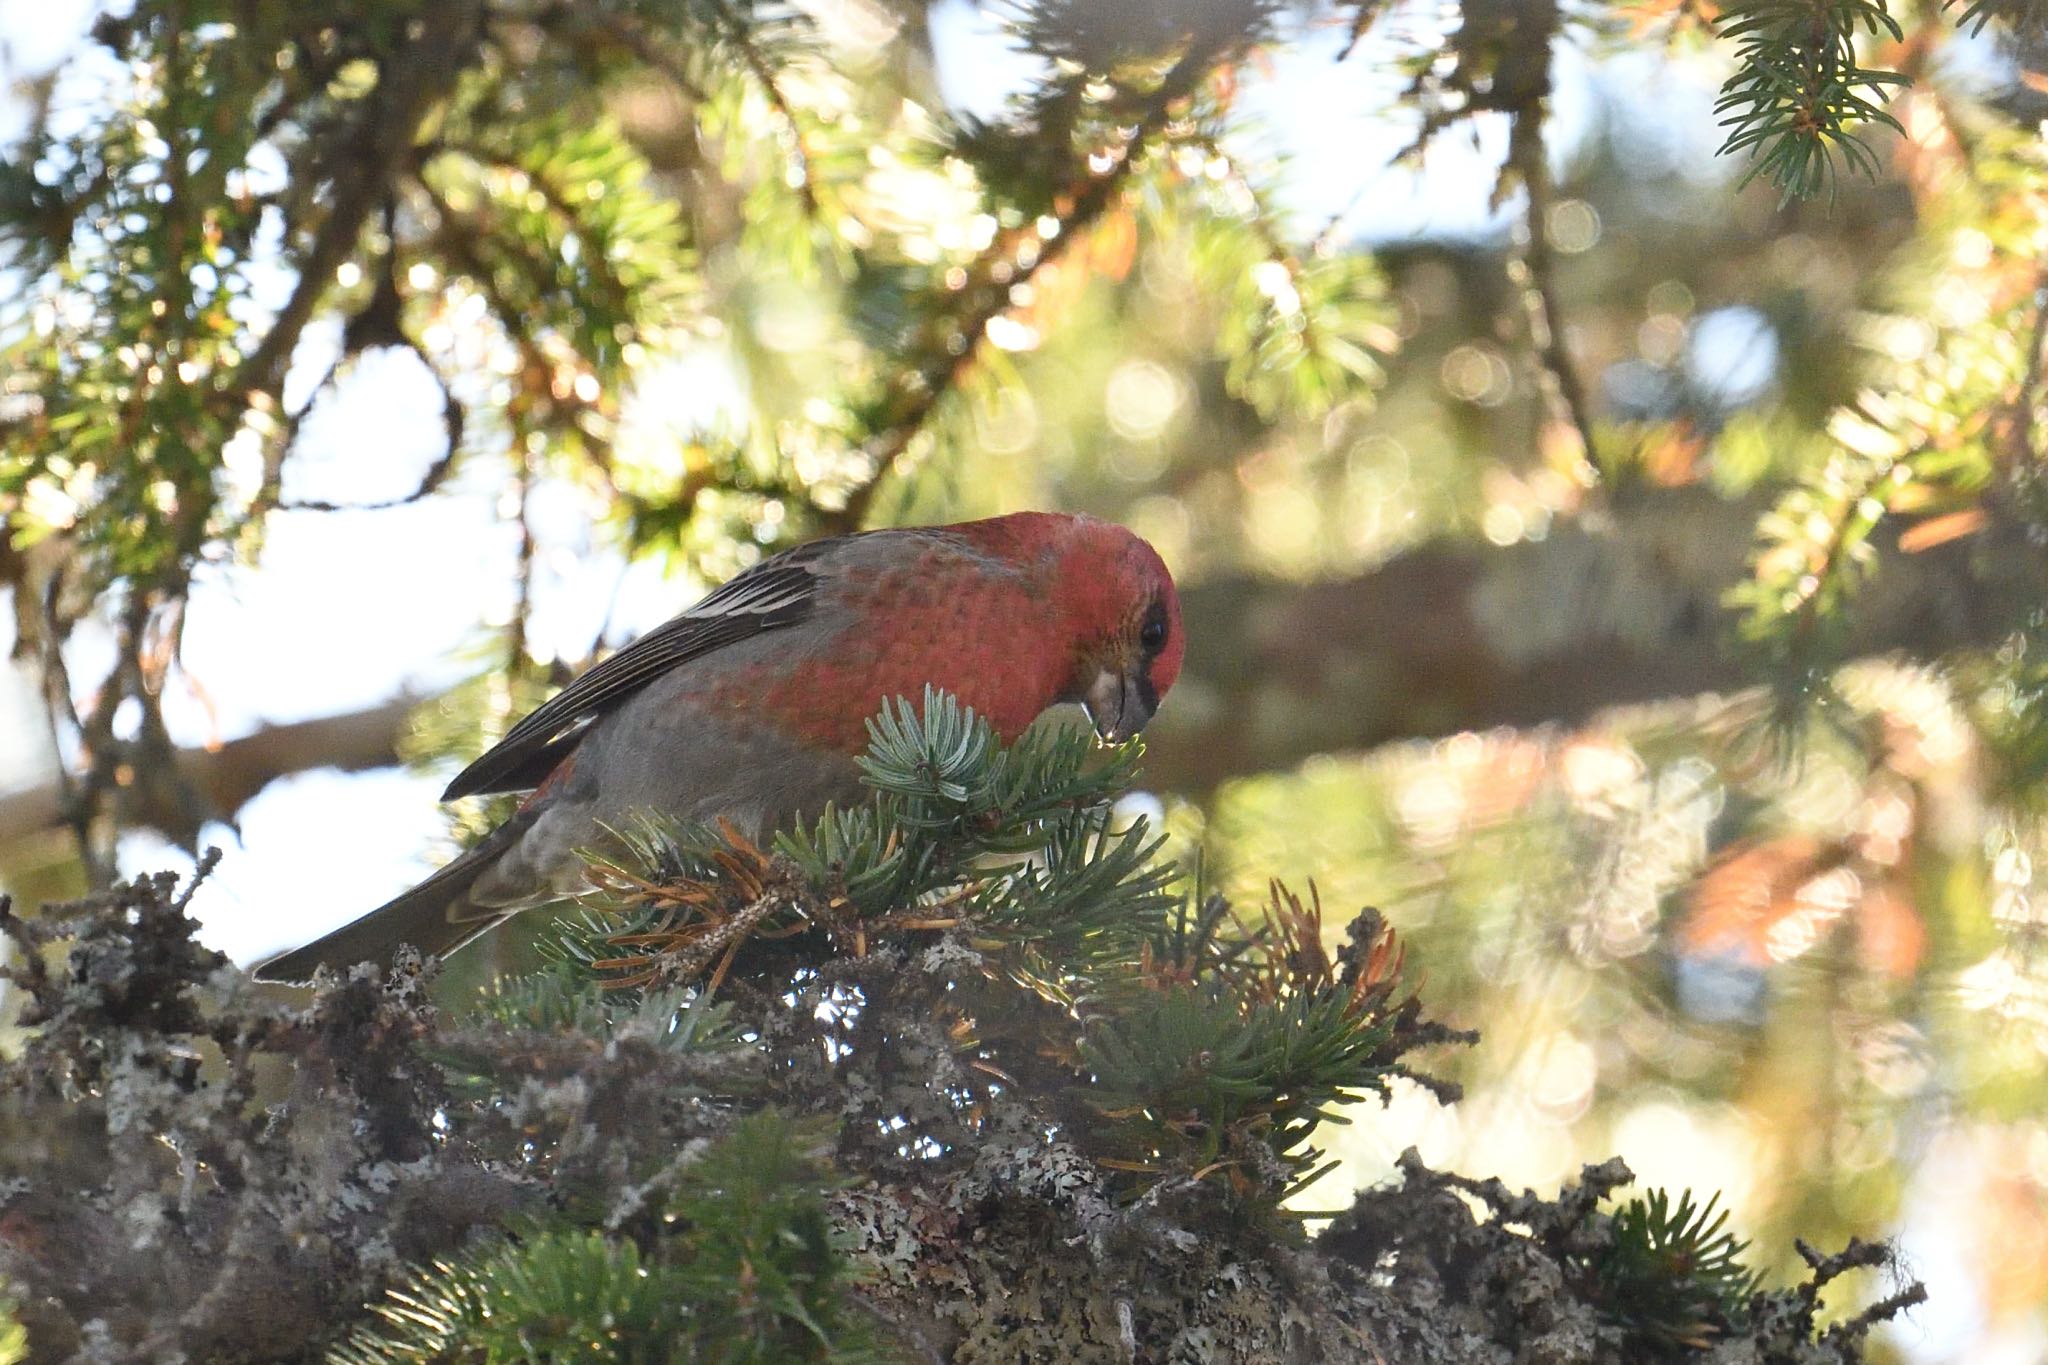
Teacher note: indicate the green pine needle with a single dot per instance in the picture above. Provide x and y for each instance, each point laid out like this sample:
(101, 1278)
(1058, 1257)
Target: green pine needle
(1673, 1276)
(2023, 16)
(1799, 93)
(1248, 1035)
(746, 1273)
(558, 1296)
(560, 1000)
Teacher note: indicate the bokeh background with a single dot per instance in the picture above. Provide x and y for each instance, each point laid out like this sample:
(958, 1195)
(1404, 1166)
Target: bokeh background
(1532, 556)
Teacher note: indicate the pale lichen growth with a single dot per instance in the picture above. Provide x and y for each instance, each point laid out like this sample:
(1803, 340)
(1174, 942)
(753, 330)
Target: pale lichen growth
(191, 1169)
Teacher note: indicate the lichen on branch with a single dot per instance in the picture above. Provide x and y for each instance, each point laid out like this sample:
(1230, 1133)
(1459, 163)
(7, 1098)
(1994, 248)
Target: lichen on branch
(960, 1075)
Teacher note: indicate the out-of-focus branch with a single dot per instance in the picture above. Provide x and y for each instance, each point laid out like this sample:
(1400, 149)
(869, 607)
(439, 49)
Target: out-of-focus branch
(1456, 637)
(915, 390)
(380, 323)
(756, 62)
(353, 165)
(1365, 13)
(362, 176)
(1502, 65)
(2027, 397)
(228, 775)
(1530, 162)
(522, 606)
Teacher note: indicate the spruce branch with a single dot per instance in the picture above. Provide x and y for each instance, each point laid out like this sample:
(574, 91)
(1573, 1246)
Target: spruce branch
(1230, 1049)
(581, 1290)
(1796, 600)
(742, 1269)
(1500, 63)
(1365, 13)
(1673, 1274)
(741, 34)
(2021, 16)
(1206, 1047)
(2027, 394)
(857, 1147)
(1302, 327)
(1663, 1278)
(1825, 1268)
(568, 1000)
(138, 389)
(1800, 93)
(1933, 451)
(1010, 849)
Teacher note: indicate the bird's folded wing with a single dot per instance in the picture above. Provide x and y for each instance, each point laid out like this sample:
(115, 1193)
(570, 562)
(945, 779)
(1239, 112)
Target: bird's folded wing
(775, 593)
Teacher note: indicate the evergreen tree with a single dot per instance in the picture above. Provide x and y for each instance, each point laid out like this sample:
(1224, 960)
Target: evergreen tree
(1455, 486)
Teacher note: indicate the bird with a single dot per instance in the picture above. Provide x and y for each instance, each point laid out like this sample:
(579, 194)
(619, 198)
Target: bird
(752, 705)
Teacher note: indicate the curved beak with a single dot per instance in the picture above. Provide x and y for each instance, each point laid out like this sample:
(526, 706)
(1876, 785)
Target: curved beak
(1119, 705)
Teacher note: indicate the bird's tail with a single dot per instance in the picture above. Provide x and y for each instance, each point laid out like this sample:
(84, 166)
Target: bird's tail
(436, 917)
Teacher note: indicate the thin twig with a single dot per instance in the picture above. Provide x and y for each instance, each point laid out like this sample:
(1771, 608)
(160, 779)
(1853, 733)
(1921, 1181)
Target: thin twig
(1369, 12)
(770, 86)
(637, 41)
(565, 210)
(515, 650)
(915, 395)
(1262, 222)
(459, 237)
(2027, 397)
(75, 794)
(411, 86)
(431, 479)
(1546, 314)
(567, 21)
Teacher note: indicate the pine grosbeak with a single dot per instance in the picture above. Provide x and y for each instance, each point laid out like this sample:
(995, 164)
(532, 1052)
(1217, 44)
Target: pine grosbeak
(753, 704)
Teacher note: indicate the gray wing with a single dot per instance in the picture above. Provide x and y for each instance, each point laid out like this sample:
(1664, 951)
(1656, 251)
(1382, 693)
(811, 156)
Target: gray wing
(777, 592)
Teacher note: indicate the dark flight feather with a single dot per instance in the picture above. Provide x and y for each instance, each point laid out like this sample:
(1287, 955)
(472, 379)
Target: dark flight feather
(777, 592)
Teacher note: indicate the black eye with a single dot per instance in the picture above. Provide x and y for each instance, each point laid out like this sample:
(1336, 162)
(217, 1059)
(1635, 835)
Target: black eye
(1153, 635)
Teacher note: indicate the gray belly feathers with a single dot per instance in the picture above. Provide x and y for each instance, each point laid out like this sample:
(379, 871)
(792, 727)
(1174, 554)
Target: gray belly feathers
(659, 756)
